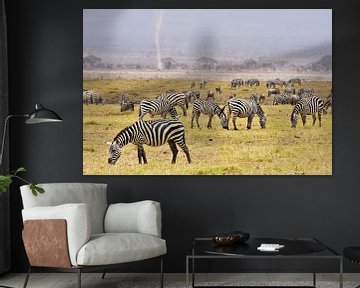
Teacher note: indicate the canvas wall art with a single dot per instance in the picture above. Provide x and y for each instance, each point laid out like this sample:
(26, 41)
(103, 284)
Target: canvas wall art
(207, 92)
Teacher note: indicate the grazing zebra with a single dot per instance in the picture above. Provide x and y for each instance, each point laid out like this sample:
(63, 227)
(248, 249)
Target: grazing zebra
(208, 108)
(236, 83)
(281, 99)
(290, 90)
(305, 91)
(176, 99)
(328, 103)
(151, 133)
(252, 82)
(156, 107)
(307, 106)
(245, 108)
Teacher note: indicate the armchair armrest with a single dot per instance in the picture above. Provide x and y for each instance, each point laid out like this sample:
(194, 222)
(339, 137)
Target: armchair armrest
(138, 217)
(77, 219)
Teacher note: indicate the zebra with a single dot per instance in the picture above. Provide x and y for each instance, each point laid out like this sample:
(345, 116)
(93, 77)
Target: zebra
(252, 82)
(192, 95)
(245, 108)
(156, 107)
(307, 106)
(90, 97)
(151, 133)
(178, 99)
(328, 103)
(290, 90)
(208, 108)
(305, 91)
(236, 83)
(281, 99)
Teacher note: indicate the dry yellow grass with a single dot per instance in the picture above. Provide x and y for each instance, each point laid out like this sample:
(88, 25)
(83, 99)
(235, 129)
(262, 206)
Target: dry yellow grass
(276, 150)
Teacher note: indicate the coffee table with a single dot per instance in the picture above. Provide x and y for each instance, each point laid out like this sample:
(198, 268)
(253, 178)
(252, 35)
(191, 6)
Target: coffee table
(294, 248)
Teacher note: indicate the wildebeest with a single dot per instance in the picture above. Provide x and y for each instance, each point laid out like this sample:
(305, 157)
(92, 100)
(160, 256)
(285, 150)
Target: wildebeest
(295, 81)
(279, 82)
(192, 84)
(218, 90)
(203, 84)
(273, 91)
(261, 98)
(210, 95)
(125, 106)
(270, 84)
(281, 99)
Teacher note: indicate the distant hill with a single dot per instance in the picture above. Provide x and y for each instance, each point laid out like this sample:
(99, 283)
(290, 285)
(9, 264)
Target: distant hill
(307, 55)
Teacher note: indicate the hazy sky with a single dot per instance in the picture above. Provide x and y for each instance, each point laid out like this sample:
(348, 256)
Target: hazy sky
(207, 32)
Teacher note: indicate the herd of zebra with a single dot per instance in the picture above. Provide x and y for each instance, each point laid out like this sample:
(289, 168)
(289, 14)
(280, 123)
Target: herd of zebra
(172, 131)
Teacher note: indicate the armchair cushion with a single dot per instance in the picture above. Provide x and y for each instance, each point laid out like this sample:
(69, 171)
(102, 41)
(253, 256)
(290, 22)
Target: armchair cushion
(78, 221)
(113, 248)
(138, 217)
(92, 194)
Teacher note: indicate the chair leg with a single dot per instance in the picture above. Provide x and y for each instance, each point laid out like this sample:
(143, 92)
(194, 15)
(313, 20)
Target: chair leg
(161, 273)
(103, 275)
(27, 277)
(79, 277)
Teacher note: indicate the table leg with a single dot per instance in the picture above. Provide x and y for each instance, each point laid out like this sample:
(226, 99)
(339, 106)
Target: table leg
(314, 271)
(187, 272)
(341, 273)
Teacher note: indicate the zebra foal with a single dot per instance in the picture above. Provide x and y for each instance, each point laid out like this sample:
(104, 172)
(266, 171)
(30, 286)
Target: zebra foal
(151, 133)
(307, 106)
(208, 108)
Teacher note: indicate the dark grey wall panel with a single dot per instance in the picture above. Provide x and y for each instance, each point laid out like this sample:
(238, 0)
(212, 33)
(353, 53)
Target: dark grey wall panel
(45, 50)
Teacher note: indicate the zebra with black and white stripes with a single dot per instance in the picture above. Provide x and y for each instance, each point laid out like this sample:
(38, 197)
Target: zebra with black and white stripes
(176, 99)
(156, 107)
(151, 133)
(245, 108)
(208, 108)
(307, 106)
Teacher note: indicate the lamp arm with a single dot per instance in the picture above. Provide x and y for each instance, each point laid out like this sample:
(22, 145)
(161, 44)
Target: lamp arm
(4, 134)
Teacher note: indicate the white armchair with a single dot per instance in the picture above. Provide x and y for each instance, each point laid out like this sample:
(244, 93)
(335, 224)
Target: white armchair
(72, 228)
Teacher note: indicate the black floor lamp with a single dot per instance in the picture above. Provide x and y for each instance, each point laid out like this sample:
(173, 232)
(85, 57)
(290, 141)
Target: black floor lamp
(39, 115)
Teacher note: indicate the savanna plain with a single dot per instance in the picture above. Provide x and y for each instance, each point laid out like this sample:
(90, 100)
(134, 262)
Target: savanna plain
(276, 150)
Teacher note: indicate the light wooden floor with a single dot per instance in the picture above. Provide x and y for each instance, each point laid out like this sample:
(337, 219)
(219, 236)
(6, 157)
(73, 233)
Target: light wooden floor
(114, 280)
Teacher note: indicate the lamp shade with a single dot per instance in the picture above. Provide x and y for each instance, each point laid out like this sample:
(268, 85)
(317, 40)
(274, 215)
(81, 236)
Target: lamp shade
(42, 115)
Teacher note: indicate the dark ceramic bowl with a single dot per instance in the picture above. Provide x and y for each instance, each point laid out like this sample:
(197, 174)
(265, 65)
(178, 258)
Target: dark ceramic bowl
(225, 239)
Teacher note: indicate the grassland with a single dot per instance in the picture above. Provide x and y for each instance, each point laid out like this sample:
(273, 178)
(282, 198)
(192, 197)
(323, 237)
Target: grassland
(276, 150)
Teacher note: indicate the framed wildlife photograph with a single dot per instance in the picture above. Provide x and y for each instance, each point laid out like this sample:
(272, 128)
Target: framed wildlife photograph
(207, 92)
